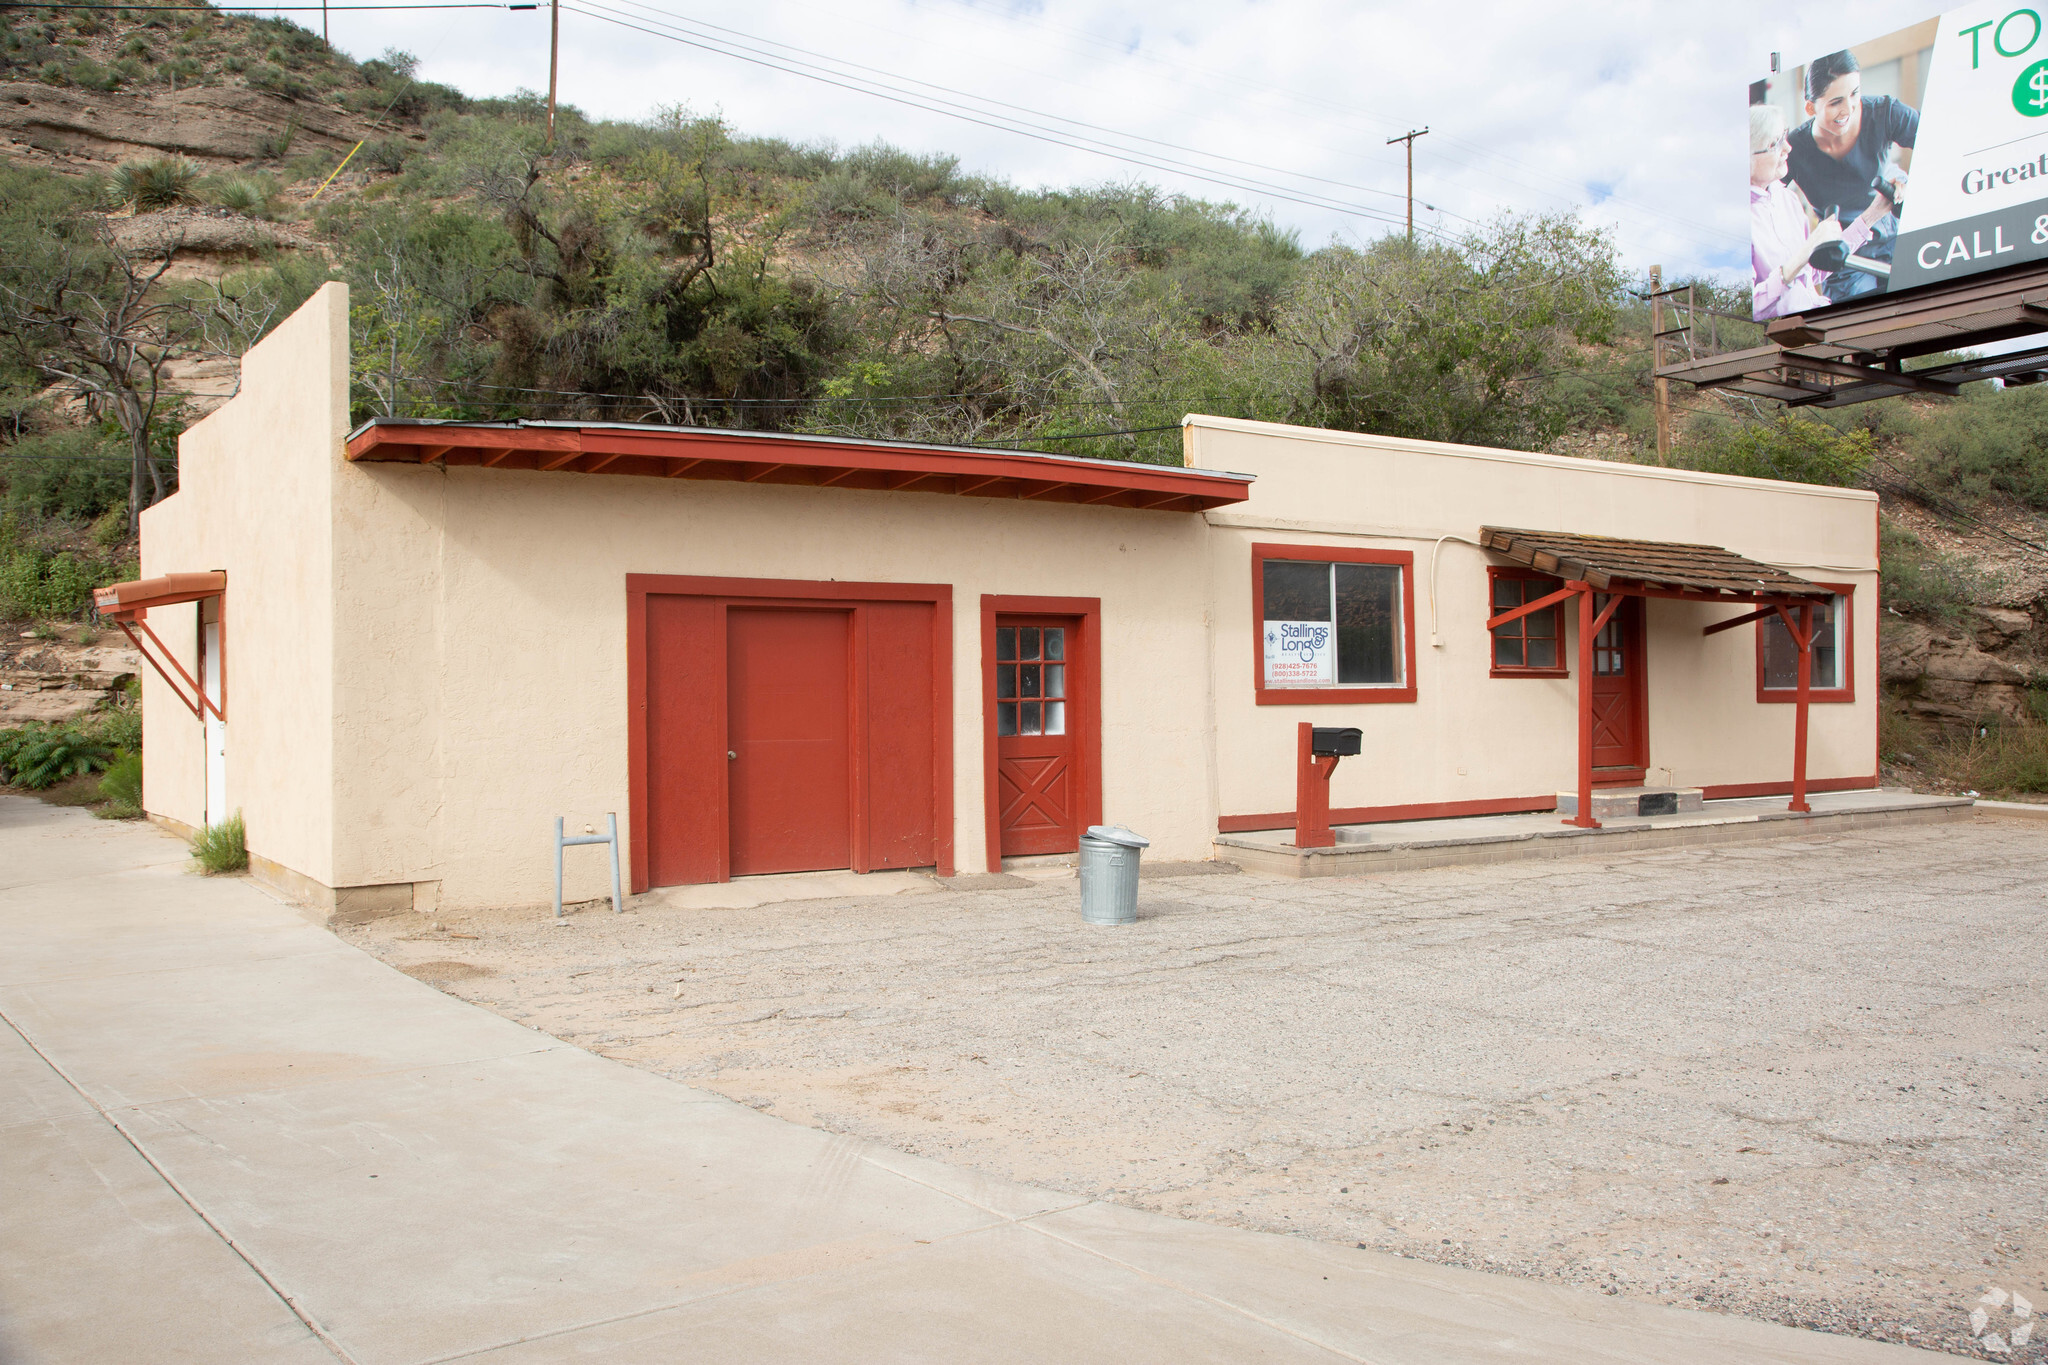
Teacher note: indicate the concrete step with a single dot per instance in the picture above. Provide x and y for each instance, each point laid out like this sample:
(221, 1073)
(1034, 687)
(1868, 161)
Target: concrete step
(1625, 803)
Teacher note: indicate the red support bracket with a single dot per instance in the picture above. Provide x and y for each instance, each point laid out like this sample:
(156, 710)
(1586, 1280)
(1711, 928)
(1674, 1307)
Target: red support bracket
(198, 703)
(1803, 632)
(1312, 793)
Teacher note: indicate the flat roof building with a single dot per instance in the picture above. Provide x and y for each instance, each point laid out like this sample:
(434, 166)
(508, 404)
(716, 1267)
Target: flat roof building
(408, 648)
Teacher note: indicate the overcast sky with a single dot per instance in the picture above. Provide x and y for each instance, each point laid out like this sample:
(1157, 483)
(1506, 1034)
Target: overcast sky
(1629, 110)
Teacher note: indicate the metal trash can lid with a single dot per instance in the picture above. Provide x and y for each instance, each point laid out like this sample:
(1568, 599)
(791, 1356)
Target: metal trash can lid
(1117, 834)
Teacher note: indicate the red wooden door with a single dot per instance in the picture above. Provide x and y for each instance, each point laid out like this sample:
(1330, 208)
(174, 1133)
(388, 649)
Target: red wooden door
(1036, 713)
(1620, 725)
(789, 740)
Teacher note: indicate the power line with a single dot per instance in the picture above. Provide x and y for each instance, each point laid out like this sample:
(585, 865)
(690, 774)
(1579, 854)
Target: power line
(258, 9)
(1005, 104)
(986, 119)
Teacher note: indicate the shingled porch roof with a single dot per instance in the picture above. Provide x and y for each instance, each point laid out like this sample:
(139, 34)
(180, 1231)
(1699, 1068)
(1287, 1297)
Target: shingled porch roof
(1662, 568)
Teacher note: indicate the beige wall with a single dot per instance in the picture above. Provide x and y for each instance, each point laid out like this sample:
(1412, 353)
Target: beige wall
(497, 599)
(255, 487)
(426, 665)
(1471, 737)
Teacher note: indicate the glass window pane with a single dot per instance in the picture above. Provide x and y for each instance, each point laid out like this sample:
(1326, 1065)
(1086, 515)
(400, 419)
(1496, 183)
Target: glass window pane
(1296, 590)
(1507, 592)
(1027, 642)
(1006, 680)
(1028, 679)
(1055, 642)
(1781, 656)
(1507, 651)
(1543, 654)
(1541, 625)
(1006, 718)
(1055, 680)
(1368, 624)
(1027, 718)
(1055, 717)
(1006, 643)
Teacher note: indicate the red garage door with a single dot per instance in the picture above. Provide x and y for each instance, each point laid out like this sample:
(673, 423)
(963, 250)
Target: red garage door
(787, 726)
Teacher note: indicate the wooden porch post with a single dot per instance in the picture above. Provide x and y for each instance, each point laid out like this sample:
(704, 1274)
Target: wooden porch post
(1804, 637)
(1311, 793)
(1584, 819)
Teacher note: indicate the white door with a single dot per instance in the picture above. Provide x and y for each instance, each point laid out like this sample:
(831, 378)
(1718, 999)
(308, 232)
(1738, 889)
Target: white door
(216, 728)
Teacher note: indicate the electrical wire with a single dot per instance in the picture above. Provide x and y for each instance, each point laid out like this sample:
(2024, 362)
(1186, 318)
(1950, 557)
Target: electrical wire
(262, 9)
(1021, 109)
(874, 89)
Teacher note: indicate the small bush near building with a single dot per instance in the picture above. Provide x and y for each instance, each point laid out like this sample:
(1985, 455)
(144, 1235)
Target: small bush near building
(1918, 580)
(121, 789)
(222, 848)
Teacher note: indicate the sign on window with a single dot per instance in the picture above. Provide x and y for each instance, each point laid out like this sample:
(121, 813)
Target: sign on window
(1301, 654)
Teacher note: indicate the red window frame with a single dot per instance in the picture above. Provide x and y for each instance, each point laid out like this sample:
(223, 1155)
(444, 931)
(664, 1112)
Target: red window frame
(1495, 670)
(1355, 694)
(1846, 657)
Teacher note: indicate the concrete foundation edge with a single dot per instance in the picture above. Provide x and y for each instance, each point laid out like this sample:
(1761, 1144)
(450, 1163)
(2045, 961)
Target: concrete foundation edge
(1342, 862)
(329, 906)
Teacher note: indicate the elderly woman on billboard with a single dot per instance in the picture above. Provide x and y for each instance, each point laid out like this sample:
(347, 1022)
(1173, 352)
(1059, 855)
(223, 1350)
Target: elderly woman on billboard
(1848, 159)
(1782, 234)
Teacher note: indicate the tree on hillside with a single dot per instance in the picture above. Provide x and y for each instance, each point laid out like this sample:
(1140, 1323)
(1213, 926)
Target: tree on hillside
(78, 310)
(1450, 342)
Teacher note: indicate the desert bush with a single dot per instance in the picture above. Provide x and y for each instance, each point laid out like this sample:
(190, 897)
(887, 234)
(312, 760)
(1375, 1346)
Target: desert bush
(278, 81)
(37, 756)
(1795, 449)
(1918, 580)
(248, 194)
(87, 74)
(121, 788)
(388, 154)
(156, 183)
(1990, 442)
(222, 847)
(75, 474)
(1994, 758)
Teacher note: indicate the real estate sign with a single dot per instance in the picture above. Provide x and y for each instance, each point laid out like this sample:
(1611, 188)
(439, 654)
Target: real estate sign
(1915, 159)
(1301, 654)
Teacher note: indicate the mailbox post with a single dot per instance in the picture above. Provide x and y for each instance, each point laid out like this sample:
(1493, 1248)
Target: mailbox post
(1318, 749)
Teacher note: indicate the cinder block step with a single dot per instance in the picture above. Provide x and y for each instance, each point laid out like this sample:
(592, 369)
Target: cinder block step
(1626, 803)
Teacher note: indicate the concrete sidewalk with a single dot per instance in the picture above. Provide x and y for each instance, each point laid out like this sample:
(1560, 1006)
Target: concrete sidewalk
(227, 1136)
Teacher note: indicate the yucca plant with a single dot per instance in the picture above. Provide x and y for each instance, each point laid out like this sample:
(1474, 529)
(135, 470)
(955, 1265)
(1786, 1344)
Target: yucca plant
(222, 847)
(159, 183)
(242, 193)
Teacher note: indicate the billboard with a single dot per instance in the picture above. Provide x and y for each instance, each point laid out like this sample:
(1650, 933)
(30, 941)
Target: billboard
(1919, 158)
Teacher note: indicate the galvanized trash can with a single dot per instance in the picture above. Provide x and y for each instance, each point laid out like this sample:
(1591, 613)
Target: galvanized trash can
(1109, 874)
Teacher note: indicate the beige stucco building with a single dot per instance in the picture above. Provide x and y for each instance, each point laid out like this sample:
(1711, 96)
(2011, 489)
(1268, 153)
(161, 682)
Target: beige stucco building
(771, 653)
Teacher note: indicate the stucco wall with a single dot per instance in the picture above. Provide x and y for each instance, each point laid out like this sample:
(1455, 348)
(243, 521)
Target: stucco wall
(1469, 736)
(496, 600)
(254, 496)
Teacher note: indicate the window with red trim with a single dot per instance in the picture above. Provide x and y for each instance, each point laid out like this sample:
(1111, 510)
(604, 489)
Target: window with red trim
(1530, 646)
(1334, 625)
(1777, 657)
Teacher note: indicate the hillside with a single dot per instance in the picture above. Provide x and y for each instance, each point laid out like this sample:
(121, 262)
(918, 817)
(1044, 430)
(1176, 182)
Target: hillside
(676, 270)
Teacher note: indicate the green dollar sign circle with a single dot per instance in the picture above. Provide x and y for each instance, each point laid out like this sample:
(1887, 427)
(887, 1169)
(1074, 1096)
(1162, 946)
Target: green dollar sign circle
(2030, 91)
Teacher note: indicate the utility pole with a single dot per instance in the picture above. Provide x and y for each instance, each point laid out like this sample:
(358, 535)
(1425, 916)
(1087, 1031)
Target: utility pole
(1409, 138)
(1663, 385)
(554, 55)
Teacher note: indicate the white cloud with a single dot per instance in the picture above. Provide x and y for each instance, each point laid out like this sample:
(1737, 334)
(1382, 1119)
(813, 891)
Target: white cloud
(1630, 110)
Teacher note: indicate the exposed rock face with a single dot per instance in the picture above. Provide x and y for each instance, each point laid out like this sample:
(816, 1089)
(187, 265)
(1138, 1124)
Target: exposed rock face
(1958, 675)
(215, 125)
(58, 680)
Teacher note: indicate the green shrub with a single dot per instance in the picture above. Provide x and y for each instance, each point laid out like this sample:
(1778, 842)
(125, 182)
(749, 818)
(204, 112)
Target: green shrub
(88, 74)
(137, 46)
(222, 847)
(234, 63)
(36, 756)
(1996, 758)
(158, 183)
(1918, 580)
(121, 788)
(118, 727)
(1988, 443)
(1795, 449)
(242, 193)
(74, 474)
(278, 81)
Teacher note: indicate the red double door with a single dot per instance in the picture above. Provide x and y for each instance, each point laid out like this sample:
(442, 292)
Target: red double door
(1621, 723)
(790, 736)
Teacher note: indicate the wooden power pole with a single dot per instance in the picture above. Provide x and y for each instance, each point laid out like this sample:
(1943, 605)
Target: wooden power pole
(1663, 385)
(1409, 138)
(554, 55)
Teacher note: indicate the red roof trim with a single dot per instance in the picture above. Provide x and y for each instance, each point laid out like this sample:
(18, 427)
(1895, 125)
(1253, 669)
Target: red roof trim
(774, 459)
(126, 601)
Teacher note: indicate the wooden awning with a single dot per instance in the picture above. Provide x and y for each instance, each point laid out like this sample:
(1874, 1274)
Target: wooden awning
(806, 461)
(1650, 567)
(127, 601)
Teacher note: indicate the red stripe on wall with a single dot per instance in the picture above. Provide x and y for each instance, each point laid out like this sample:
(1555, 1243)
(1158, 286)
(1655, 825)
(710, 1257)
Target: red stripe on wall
(1373, 815)
(1735, 790)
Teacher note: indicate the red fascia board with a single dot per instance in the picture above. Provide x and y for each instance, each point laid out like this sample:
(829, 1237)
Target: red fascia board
(781, 460)
(130, 599)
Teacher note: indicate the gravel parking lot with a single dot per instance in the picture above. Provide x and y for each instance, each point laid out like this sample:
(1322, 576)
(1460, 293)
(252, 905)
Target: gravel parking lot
(1799, 1080)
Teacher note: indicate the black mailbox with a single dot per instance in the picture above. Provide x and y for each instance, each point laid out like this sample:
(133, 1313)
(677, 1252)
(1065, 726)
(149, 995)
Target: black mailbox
(1335, 741)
